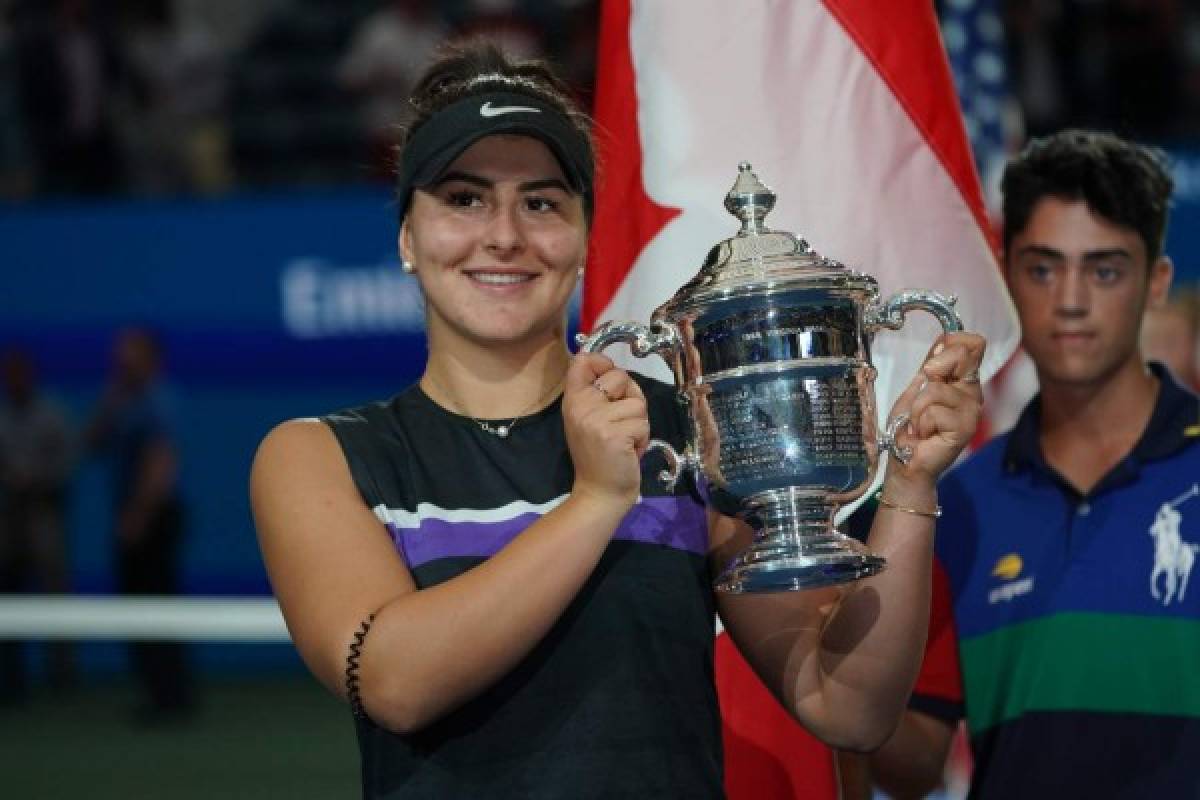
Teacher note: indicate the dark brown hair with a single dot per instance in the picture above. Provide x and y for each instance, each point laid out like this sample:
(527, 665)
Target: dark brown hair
(1124, 182)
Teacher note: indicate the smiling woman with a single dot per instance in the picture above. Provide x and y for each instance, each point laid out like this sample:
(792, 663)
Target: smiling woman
(497, 243)
(475, 564)
(482, 567)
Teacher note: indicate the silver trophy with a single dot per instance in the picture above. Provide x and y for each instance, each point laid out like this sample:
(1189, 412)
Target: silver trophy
(770, 346)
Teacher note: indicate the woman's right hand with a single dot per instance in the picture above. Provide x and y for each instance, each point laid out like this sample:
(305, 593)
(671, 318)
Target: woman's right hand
(607, 428)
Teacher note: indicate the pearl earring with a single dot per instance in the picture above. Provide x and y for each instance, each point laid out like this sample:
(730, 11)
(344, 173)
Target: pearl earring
(407, 267)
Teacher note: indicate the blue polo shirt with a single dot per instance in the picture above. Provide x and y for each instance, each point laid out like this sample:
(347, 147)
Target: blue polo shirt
(1078, 623)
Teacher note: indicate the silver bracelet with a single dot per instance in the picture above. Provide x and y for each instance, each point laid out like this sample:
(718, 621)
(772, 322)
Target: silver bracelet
(883, 501)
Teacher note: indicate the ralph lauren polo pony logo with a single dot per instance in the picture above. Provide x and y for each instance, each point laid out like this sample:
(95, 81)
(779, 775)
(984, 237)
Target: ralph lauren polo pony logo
(1173, 555)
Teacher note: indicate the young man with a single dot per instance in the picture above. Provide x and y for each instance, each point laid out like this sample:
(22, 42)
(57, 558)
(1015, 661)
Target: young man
(1066, 545)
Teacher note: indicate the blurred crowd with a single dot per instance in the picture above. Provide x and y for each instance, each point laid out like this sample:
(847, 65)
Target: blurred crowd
(133, 428)
(170, 96)
(1131, 66)
(185, 96)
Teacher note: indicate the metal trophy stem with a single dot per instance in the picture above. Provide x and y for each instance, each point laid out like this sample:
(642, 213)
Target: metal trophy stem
(797, 547)
(770, 348)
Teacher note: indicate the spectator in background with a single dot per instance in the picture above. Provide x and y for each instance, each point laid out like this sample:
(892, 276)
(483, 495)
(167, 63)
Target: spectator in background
(387, 53)
(1119, 64)
(179, 72)
(1145, 65)
(505, 23)
(573, 45)
(69, 68)
(1036, 63)
(16, 173)
(1169, 335)
(35, 462)
(1067, 544)
(135, 426)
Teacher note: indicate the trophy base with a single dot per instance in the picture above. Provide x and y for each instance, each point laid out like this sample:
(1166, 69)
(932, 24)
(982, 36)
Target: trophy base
(801, 562)
(797, 548)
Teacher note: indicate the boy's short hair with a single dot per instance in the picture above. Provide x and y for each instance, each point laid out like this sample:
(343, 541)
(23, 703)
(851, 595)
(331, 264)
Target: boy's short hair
(1126, 183)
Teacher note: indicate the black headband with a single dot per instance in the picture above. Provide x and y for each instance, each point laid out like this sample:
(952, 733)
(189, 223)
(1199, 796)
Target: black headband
(445, 135)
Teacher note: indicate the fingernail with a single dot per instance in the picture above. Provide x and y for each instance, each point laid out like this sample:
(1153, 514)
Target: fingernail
(939, 347)
(911, 430)
(923, 385)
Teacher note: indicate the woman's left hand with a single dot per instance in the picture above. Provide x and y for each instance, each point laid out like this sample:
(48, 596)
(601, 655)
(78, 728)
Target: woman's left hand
(944, 403)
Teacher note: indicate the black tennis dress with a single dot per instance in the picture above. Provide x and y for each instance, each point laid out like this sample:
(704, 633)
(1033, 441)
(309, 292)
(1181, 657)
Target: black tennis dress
(617, 701)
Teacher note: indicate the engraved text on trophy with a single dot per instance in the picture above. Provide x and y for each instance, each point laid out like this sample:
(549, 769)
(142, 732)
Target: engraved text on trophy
(778, 430)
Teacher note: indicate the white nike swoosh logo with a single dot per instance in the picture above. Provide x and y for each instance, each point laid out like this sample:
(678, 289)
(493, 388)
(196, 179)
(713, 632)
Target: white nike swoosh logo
(489, 110)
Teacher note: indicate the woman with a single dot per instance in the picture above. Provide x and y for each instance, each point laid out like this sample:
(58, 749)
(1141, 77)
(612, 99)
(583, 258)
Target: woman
(483, 568)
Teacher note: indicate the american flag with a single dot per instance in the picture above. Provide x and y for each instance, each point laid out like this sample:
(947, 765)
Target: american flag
(973, 31)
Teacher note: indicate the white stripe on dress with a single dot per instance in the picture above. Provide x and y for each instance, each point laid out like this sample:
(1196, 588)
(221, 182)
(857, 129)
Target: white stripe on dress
(404, 519)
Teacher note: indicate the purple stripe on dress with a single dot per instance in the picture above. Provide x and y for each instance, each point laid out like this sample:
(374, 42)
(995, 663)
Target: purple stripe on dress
(677, 522)
(398, 538)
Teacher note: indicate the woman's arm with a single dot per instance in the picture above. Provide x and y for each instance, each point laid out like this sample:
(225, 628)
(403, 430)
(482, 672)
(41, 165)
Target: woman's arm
(843, 659)
(332, 564)
(911, 763)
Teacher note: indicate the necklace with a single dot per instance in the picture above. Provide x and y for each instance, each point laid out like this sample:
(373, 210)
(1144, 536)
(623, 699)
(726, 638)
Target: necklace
(499, 430)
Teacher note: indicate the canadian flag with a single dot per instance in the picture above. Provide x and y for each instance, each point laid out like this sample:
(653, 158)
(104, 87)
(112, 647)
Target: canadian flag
(847, 110)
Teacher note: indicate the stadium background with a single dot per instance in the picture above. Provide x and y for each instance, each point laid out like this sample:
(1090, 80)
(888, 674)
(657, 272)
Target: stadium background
(277, 294)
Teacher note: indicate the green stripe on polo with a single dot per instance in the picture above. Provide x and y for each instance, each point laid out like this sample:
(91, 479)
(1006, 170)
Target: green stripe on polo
(1082, 662)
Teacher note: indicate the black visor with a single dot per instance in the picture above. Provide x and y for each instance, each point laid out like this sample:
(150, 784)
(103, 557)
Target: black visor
(444, 136)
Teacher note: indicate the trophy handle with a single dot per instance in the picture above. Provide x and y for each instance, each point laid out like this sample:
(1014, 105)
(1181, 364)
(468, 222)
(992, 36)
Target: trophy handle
(644, 340)
(676, 463)
(891, 314)
(887, 441)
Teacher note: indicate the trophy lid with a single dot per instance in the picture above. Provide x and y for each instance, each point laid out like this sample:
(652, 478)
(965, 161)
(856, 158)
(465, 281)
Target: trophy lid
(759, 259)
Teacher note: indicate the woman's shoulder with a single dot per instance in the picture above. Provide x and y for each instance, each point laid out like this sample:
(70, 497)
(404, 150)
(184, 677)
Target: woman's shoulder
(366, 440)
(375, 415)
(336, 435)
(375, 412)
(377, 418)
(294, 449)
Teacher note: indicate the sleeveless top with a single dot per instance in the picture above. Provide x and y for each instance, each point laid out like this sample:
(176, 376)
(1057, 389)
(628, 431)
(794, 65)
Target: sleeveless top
(618, 699)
